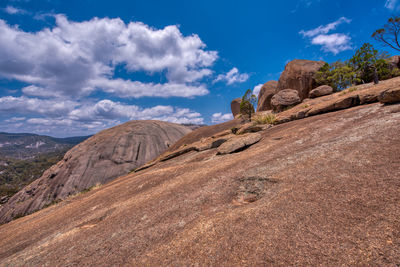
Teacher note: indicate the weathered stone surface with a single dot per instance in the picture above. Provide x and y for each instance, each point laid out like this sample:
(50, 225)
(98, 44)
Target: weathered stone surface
(235, 106)
(99, 159)
(264, 96)
(249, 128)
(341, 103)
(238, 143)
(223, 133)
(285, 98)
(176, 153)
(390, 96)
(300, 76)
(320, 191)
(394, 62)
(359, 95)
(321, 91)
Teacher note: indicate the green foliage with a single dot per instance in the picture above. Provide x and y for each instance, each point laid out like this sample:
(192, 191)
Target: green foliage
(370, 65)
(339, 75)
(17, 173)
(366, 65)
(265, 119)
(249, 100)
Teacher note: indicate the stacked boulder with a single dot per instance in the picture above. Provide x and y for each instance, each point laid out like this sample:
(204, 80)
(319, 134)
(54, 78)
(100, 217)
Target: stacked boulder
(284, 99)
(297, 82)
(235, 106)
(299, 75)
(265, 95)
(321, 91)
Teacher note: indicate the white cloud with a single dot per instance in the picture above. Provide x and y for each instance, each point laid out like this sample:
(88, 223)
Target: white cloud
(335, 42)
(391, 4)
(128, 88)
(33, 90)
(219, 117)
(257, 89)
(232, 76)
(324, 29)
(14, 10)
(25, 105)
(16, 119)
(68, 117)
(77, 58)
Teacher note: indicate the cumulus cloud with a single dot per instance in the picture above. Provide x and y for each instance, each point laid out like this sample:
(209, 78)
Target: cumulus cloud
(219, 117)
(77, 58)
(392, 4)
(128, 88)
(14, 10)
(334, 42)
(257, 89)
(16, 119)
(324, 29)
(73, 117)
(26, 105)
(232, 76)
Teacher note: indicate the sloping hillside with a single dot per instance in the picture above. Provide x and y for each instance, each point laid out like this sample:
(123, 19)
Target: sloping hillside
(99, 159)
(25, 145)
(323, 190)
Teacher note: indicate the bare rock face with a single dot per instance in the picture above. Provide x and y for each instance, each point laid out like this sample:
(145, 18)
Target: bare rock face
(101, 158)
(284, 99)
(390, 96)
(238, 143)
(300, 75)
(235, 106)
(394, 62)
(266, 93)
(321, 91)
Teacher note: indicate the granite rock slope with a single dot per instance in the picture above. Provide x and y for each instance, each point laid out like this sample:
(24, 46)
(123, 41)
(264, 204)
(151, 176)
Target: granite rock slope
(323, 190)
(100, 159)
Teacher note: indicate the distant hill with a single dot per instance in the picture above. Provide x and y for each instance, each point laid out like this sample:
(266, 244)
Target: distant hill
(193, 126)
(27, 145)
(100, 159)
(25, 156)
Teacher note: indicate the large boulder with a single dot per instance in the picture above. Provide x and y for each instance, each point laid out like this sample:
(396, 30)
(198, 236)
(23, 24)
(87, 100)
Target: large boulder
(390, 96)
(394, 62)
(100, 159)
(238, 143)
(300, 75)
(321, 91)
(235, 106)
(284, 99)
(267, 91)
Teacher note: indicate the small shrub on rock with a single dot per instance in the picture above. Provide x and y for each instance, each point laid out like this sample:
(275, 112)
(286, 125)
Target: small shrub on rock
(265, 119)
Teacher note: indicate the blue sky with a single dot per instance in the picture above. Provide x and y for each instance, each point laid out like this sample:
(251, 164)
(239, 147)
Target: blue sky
(76, 67)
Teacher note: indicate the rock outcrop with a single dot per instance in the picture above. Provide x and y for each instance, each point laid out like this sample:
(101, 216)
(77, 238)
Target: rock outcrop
(390, 96)
(321, 91)
(235, 106)
(284, 99)
(387, 92)
(99, 159)
(323, 190)
(394, 62)
(267, 91)
(238, 143)
(300, 75)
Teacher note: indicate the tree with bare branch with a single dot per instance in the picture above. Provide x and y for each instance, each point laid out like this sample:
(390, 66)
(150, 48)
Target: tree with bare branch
(389, 34)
